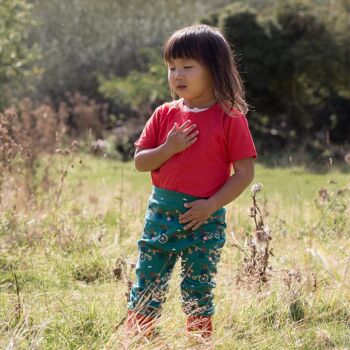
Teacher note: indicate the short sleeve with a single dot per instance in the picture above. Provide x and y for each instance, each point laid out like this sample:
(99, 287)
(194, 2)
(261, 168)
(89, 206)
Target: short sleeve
(149, 136)
(240, 143)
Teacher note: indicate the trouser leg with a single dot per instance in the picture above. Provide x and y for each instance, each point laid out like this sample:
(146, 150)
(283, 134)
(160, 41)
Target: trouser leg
(153, 271)
(163, 240)
(198, 269)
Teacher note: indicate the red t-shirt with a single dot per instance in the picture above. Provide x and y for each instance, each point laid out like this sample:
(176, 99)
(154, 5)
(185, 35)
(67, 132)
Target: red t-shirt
(203, 168)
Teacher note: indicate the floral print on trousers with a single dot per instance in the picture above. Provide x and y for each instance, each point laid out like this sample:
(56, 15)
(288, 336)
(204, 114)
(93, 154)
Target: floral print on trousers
(163, 242)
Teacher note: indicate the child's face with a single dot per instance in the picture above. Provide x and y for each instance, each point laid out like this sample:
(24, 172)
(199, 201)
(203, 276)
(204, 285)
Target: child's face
(191, 81)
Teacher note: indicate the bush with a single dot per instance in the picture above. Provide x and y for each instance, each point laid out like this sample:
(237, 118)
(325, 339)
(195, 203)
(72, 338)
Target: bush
(294, 68)
(18, 57)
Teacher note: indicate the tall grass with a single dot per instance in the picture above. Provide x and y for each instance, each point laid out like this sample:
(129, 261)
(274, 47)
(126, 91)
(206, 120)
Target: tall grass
(62, 279)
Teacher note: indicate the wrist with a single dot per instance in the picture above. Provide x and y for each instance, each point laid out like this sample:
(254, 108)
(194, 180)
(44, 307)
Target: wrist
(213, 205)
(168, 151)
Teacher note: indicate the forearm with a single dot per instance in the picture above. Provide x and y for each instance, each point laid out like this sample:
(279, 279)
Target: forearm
(231, 190)
(151, 159)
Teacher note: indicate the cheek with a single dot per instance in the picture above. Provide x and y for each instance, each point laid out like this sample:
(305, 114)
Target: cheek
(207, 81)
(170, 77)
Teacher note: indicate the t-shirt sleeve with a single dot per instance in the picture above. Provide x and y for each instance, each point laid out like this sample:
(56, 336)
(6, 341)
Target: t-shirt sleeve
(240, 143)
(149, 136)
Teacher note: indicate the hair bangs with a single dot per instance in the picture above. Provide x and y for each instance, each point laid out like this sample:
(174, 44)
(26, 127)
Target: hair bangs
(181, 46)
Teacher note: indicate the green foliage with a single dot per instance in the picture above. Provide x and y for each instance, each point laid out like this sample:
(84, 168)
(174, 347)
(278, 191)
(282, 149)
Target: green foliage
(293, 56)
(18, 57)
(292, 59)
(82, 39)
(296, 310)
(294, 66)
(139, 90)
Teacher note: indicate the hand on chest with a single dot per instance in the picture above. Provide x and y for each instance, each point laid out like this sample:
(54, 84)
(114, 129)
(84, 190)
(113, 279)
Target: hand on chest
(210, 137)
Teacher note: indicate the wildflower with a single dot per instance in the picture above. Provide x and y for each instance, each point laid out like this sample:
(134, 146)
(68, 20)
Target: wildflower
(256, 188)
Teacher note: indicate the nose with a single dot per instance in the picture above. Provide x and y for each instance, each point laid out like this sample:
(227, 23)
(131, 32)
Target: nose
(178, 73)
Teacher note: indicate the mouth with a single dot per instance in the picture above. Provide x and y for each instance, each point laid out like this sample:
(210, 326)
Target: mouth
(181, 87)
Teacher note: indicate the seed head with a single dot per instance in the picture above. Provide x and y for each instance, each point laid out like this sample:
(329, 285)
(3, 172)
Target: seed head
(256, 188)
(323, 194)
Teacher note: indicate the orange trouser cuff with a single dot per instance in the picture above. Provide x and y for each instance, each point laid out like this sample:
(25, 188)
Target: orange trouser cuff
(200, 324)
(139, 323)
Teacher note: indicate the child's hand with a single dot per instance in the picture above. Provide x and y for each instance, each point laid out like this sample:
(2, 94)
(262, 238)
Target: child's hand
(199, 212)
(181, 137)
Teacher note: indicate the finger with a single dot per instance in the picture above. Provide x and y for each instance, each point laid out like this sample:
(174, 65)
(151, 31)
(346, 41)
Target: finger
(191, 224)
(174, 128)
(199, 224)
(190, 204)
(190, 143)
(184, 125)
(190, 137)
(190, 129)
(185, 218)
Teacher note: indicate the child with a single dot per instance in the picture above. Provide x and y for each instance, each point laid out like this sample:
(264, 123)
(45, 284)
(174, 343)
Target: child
(190, 145)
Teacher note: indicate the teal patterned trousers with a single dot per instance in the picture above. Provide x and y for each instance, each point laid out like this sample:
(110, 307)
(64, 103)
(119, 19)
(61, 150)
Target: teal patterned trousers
(163, 241)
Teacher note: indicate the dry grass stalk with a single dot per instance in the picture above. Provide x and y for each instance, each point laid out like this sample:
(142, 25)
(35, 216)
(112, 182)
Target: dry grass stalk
(64, 168)
(87, 115)
(122, 272)
(18, 308)
(256, 266)
(25, 137)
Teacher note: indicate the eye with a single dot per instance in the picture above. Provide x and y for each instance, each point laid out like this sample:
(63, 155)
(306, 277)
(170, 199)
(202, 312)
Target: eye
(188, 67)
(172, 68)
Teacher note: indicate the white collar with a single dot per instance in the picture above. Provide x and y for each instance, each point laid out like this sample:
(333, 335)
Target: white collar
(195, 109)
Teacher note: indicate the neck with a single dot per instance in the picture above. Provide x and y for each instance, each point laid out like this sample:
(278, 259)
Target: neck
(199, 104)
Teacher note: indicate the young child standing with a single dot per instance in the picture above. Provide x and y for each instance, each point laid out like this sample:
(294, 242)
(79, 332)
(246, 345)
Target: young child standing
(190, 146)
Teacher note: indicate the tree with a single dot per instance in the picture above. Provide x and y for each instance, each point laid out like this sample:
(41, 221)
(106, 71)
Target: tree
(84, 39)
(140, 90)
(17, 56)
(294, 67)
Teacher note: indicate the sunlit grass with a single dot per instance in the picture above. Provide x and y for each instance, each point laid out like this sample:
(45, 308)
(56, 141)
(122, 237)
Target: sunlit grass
(63, 257)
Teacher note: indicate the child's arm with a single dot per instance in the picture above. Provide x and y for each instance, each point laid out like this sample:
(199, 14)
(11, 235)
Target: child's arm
(151, 159)
(200, 210)
(179, 138)
(238, 182)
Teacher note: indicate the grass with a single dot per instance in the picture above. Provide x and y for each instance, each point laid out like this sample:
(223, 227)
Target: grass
(63, 256)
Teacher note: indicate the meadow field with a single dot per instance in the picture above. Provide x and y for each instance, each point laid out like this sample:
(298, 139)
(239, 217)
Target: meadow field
(67, 255)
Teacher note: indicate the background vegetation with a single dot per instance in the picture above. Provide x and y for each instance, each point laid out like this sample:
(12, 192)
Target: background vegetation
(78, 80)
(62, 281)
(103, 58)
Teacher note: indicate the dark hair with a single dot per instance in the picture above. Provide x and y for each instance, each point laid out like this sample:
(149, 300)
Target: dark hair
(208, 46)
